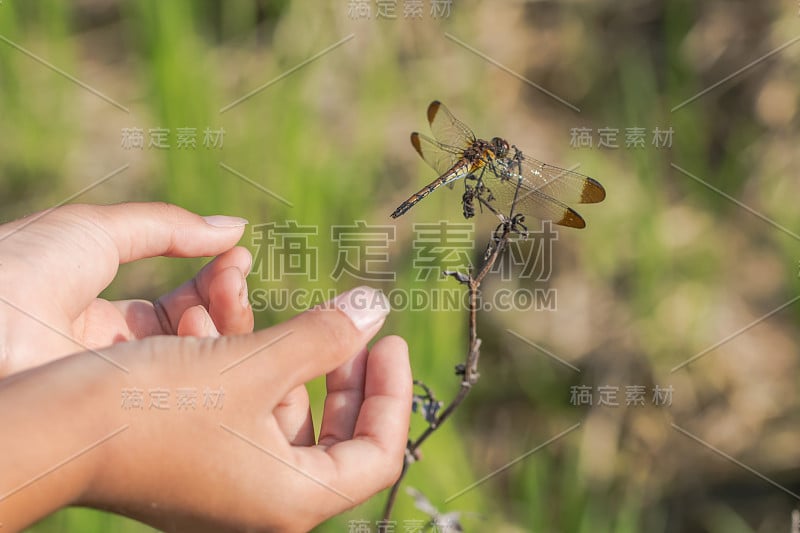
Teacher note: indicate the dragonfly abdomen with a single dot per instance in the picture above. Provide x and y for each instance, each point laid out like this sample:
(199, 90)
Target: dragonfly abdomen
(419, 195)
(458, 171)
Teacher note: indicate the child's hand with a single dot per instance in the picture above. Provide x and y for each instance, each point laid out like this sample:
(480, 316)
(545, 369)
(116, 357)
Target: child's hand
(54, 265)
(250, 463)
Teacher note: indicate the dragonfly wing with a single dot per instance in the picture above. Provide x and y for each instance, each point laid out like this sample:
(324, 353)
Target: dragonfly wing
(504, 192)
(565, 185)
(439, 156)
(546, 207)
(448, 129)
(446, 160)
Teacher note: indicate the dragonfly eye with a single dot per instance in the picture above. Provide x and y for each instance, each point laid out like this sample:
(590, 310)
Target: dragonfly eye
(500, 146)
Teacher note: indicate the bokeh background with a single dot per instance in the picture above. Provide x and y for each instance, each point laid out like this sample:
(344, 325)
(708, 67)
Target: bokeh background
(694, 252)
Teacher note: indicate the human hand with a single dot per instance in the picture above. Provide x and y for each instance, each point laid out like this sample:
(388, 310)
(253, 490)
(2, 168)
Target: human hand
(54, 264)
(253, 464)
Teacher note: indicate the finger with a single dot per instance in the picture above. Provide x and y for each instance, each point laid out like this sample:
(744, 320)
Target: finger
(220, 286)
(196, 322)
(311, 344)
(293, 416)
(345, 387)
(197, 289)
(373, 458)
(142, 230)
(387, 394)
(229, 303)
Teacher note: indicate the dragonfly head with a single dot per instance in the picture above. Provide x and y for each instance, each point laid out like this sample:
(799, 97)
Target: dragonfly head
(500, 147)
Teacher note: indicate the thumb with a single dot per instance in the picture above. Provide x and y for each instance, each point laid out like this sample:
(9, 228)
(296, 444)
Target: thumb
(311, 344)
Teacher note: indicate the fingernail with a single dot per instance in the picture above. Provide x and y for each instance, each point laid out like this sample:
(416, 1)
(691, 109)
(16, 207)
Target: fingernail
(224, 221)
(364, 306)
(243, 296)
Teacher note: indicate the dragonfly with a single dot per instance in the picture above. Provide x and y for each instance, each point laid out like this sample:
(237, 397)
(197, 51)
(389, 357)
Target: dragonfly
(497, 175)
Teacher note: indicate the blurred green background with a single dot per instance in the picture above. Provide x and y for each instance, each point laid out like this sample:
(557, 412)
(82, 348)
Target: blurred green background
(667, 268)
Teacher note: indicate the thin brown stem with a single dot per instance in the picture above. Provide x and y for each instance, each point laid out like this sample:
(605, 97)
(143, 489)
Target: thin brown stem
(387, 513)
(470, 370)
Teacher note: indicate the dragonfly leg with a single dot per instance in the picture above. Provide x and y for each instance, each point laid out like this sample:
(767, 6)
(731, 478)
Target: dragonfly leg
(516, 160)
(483, 201)
(484, 194)
(467, 200)
(518, 226)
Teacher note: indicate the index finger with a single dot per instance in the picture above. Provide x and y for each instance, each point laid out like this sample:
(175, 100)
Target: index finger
(91, 241)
